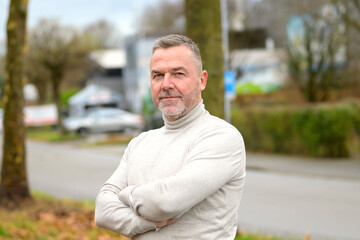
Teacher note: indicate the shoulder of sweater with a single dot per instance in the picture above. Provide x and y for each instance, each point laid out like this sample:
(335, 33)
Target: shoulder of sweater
(212, 127)
(218, 123)
(217, 134)
(146, 134)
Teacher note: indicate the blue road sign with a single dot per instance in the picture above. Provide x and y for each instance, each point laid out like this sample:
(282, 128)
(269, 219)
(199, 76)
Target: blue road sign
(229, 83)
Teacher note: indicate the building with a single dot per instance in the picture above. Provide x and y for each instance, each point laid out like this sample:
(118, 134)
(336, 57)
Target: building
(105, 83)
(137, 72)
(259, 70)
(108, 69)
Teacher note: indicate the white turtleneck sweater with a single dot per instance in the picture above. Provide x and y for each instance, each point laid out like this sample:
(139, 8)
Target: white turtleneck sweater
(192, 169)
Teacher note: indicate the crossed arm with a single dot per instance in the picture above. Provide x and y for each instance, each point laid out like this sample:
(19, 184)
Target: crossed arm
(113, 214)
(131, 210)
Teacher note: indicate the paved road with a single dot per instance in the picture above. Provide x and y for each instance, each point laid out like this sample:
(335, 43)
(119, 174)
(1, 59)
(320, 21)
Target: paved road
(293, 205)
(67, 171)
(273, 202)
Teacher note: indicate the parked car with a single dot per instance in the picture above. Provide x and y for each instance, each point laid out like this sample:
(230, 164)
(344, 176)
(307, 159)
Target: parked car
(104, 120)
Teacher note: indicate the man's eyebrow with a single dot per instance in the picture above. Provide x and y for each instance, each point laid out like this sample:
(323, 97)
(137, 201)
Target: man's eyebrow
(155, 71)
(179, 69)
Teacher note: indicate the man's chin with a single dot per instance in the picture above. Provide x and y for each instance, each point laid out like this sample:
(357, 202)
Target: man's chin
(171, 112)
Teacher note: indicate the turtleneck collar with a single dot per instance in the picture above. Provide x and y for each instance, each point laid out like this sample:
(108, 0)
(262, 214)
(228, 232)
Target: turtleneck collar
(195, 113)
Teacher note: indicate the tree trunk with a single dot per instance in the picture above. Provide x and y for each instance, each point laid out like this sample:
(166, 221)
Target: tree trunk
(56, 80)
(203, 26)
(14, 185)
(42, 88)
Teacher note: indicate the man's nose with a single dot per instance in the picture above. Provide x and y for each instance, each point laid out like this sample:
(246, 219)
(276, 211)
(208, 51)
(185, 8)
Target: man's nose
(167, 82)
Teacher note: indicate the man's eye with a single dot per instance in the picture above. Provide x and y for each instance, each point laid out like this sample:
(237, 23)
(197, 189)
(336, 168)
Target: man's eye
(179, 73)
(157, 75)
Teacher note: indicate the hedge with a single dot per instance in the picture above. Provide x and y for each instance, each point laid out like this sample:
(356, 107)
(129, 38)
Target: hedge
(326, 130)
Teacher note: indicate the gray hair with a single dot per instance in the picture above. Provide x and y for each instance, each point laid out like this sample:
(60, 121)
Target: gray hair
(174, 40)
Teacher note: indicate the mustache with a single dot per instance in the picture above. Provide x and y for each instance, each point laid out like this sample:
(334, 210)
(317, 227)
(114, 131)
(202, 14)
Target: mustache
(164, 94)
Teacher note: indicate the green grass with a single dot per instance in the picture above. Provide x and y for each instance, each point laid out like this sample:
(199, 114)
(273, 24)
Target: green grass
(3, 232)
(111, 139)
(48, 134)
(42, 196)
(252, 236)
(66, 94)
(85, 204)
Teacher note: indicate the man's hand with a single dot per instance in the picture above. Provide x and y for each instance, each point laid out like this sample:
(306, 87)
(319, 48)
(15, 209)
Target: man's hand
(164, 223)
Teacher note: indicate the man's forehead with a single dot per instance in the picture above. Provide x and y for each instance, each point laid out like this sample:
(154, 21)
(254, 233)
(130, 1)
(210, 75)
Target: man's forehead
(169, 68)
(172, 56)
(176, 50)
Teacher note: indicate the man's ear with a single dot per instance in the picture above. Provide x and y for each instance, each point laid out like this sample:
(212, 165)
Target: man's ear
(203, 80)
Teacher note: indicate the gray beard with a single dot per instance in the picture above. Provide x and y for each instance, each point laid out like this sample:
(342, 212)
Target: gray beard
(179, 109)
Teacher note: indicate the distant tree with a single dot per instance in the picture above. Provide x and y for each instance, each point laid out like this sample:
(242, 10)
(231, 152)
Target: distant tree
(102, 34)
(58, 50)
(349, 12)
(2, 75)
(273, 15)
(38, 75)
(203, 25)
(14, 185)
(162, 18)
(2, 63)
(315, 54)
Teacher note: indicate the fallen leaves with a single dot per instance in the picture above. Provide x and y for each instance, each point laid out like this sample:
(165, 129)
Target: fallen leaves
(52, 219)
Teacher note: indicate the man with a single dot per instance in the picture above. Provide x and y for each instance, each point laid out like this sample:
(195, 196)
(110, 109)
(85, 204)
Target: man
(184, 180)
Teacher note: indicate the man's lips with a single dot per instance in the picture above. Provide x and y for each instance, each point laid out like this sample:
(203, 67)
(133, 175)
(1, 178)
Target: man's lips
(169, 97)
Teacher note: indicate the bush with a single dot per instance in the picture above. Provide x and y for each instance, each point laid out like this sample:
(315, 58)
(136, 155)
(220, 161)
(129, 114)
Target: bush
(66, 94)
(320, 130)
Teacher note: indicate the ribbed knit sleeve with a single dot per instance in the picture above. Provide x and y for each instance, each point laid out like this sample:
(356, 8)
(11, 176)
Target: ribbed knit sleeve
(115, 215)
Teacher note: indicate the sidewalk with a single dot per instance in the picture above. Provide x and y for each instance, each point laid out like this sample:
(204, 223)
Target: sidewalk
(348, 169)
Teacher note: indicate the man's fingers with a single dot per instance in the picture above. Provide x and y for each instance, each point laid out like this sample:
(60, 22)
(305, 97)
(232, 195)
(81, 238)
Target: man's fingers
(171, 220)
(160, 224)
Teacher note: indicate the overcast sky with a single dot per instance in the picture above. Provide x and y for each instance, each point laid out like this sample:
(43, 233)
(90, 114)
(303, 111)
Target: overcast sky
(122, 13)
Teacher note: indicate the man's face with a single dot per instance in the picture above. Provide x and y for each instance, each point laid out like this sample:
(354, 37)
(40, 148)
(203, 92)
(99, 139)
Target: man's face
(176, 84)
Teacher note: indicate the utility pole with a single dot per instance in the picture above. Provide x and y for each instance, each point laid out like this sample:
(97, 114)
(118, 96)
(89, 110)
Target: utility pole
(227, 80)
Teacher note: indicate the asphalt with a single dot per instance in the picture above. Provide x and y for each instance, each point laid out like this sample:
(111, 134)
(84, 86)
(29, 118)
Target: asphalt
(346, 168)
